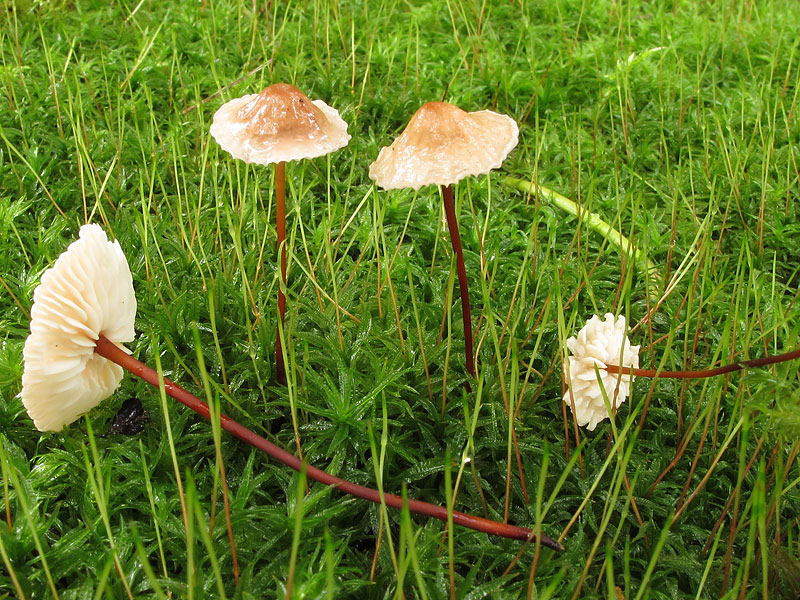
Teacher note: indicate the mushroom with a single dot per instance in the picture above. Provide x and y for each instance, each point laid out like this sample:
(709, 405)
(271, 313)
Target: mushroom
(441, 145)
(84, 307)
(278, 125)
(598, 345)
(602, 345)
(87, 292)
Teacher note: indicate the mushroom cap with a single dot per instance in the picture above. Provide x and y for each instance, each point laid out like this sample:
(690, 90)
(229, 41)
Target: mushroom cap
(88, 291)
(599, 343)
(279, 124)
(442, 144)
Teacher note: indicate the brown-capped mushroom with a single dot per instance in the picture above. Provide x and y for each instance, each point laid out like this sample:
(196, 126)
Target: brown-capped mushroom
(441, 145)
(278, 125)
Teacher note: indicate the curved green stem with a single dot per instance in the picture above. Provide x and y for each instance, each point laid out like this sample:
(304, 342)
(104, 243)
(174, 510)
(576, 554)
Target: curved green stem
(592, 220)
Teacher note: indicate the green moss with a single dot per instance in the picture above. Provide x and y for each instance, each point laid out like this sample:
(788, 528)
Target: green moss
(673, 122)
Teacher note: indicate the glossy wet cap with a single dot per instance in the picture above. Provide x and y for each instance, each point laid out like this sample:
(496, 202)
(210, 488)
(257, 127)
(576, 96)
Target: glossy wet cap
(279, 124)
(88, 291)
(442, 144)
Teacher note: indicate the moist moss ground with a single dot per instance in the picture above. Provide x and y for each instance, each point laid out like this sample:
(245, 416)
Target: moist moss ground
(676, 122)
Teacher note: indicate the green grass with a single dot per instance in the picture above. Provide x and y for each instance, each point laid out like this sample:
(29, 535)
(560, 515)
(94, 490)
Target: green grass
(675, 122)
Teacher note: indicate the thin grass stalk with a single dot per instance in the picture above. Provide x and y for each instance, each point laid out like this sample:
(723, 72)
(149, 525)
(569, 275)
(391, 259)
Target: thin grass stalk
(215, 432)
(95, 480)
(204, 533)
(760, 518)
(191, 569)
(407, 526)
(6, 496)
(415, 309)
(171, 443)
(299, 504)
(144, 560)
(330, 576)
(507, 404)
(736, 496)
(28, 513)
(312, 265)
(9, 566)
(378, 459)
(388, 264)
(151, 499)
(448, 320)
(448, 491)
(645, 584)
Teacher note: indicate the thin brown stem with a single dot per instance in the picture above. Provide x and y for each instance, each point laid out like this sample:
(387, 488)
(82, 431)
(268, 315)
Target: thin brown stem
(737, 366)
(280, 218)
(109, 350)
(455, 238)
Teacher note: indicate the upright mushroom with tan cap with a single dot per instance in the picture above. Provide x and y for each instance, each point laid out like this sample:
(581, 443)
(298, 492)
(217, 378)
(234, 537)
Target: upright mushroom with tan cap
(278, 125)
(441, 145)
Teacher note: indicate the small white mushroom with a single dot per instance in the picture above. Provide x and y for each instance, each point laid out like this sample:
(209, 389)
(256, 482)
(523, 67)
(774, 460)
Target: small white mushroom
(88, 291)
(599, 343)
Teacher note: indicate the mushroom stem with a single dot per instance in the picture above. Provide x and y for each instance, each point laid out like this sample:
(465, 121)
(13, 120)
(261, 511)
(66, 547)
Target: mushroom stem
(737, 366)
(280, 217)
(455, 238)
(114, 353)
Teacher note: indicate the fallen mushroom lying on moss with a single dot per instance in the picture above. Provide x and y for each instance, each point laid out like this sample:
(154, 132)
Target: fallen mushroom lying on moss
(87, 293)
(88, 334)
(600, 343)
(592, 372)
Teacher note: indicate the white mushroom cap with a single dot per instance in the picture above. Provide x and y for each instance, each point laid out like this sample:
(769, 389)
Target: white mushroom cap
(88, 291)
(442, 144)
(279, 124)
(599, 343)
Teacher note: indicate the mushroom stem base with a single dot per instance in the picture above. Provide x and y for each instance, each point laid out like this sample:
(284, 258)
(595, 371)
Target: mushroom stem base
(112, 352)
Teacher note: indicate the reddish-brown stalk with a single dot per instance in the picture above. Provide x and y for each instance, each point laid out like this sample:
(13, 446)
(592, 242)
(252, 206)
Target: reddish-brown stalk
(109, 350)
(455, 238)
(280, 218)
(737, 366)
